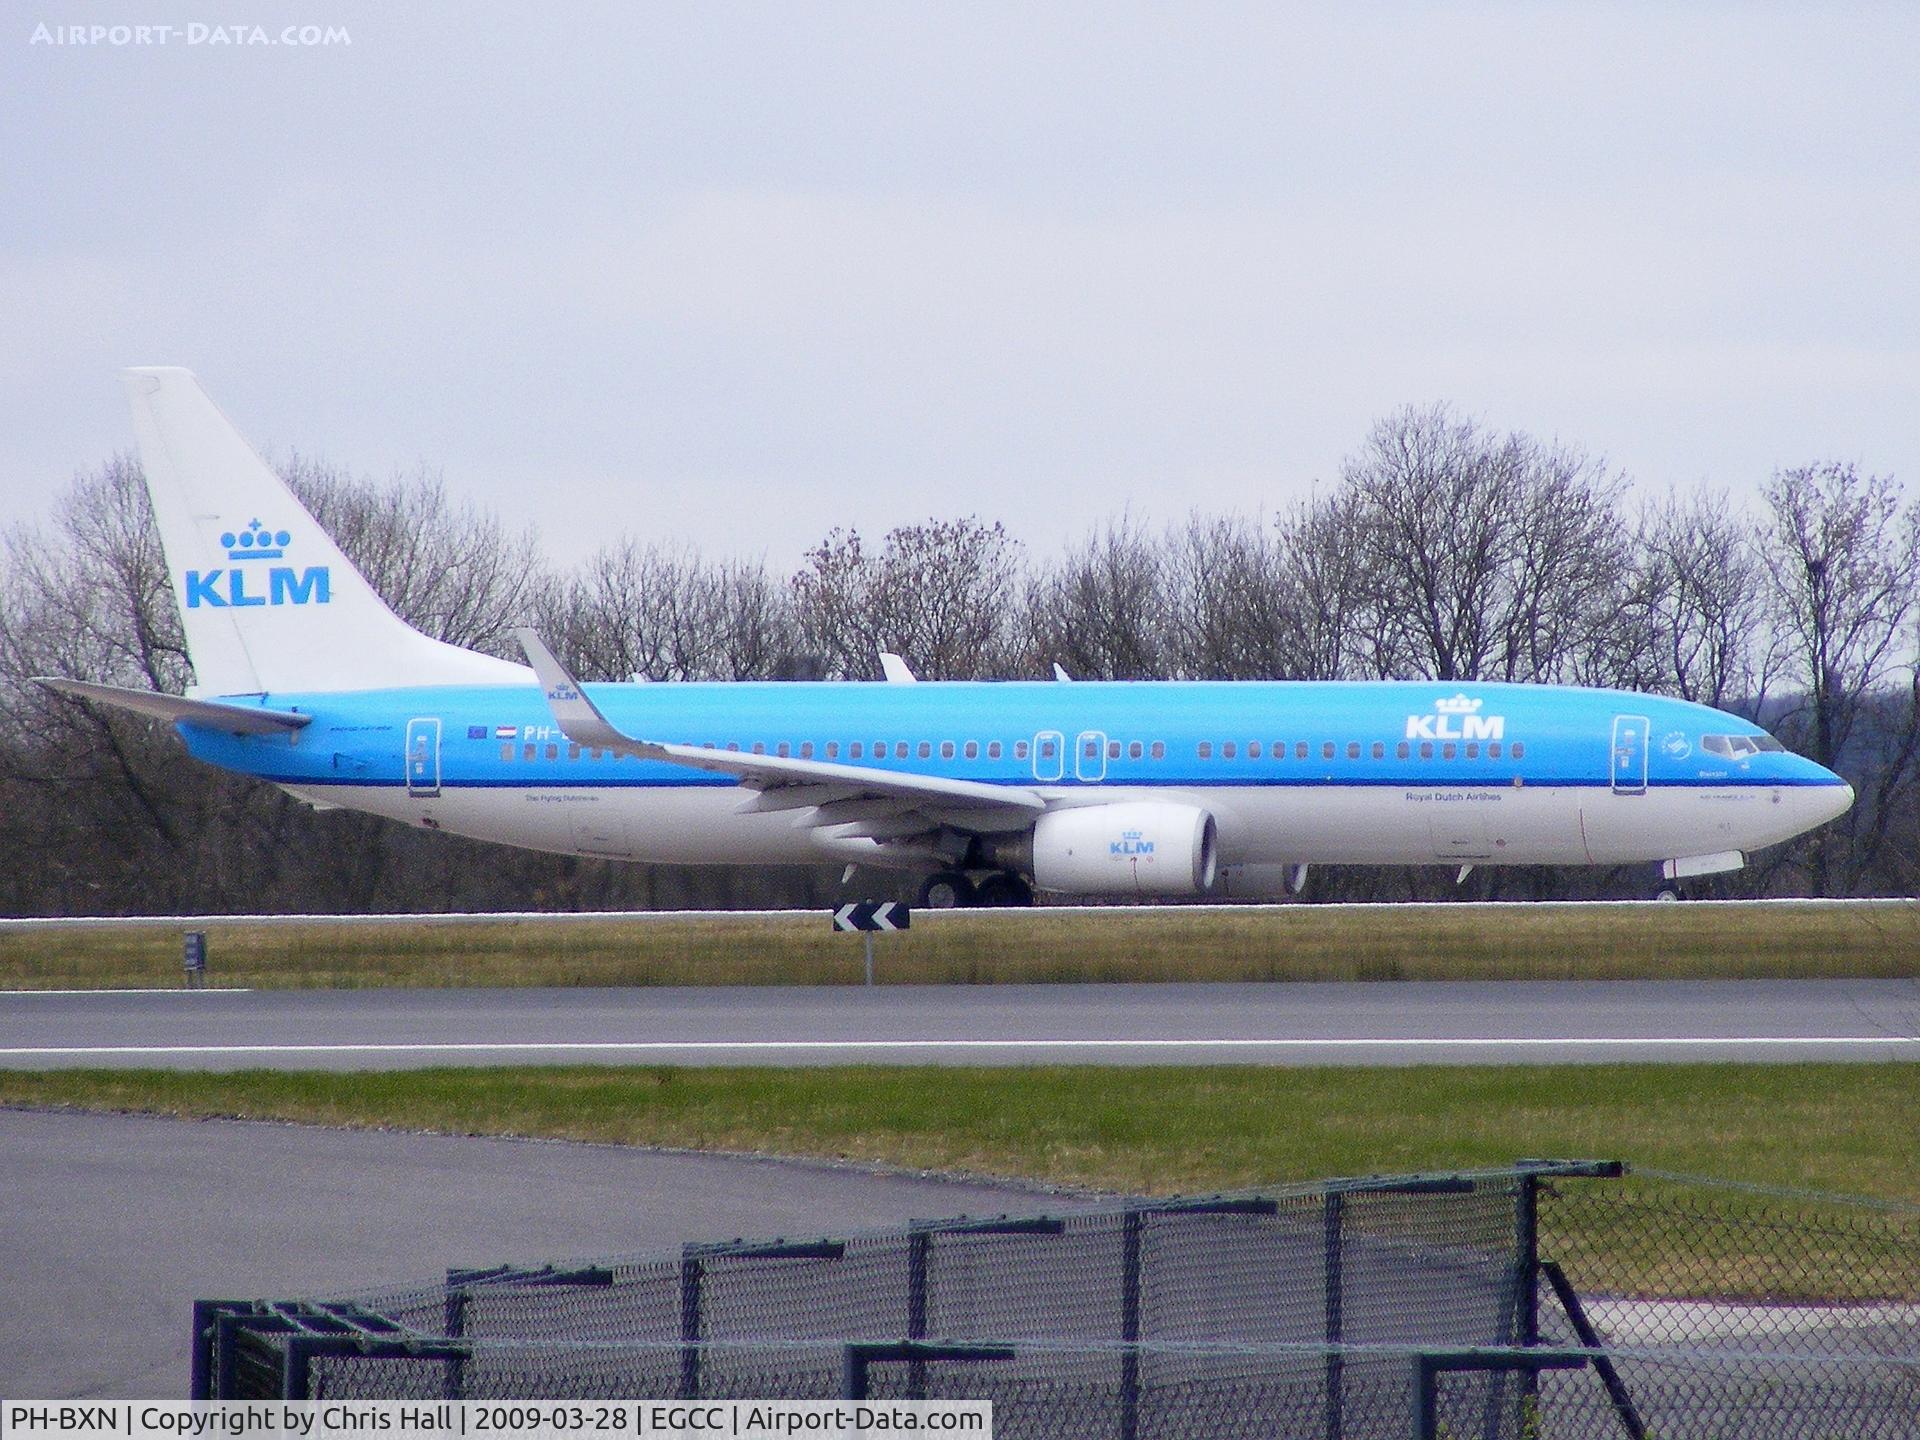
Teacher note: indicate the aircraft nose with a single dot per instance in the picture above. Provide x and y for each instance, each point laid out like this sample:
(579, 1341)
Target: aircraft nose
(1836, 795)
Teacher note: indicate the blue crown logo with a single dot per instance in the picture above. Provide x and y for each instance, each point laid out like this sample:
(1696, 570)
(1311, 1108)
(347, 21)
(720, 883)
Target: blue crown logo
(256, 542)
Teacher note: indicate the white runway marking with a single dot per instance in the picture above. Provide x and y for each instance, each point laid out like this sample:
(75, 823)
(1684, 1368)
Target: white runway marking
(542, 1047)
(150, 990)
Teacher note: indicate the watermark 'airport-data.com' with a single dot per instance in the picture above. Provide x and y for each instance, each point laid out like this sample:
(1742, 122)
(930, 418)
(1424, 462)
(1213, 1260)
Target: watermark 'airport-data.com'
(193, 34)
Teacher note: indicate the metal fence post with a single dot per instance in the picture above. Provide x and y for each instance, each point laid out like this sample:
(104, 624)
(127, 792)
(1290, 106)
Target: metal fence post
(1131, 1226)
(203, 1362)
(1333, 1266)
(454, 1381)
(690, 1276)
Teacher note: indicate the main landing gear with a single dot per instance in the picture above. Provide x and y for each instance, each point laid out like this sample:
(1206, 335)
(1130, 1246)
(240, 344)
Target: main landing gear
(952, 890)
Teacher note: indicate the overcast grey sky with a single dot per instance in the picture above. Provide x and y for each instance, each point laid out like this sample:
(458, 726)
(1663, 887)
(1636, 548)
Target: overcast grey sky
(735, 273)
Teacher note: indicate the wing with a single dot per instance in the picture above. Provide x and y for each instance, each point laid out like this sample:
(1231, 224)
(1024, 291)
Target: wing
(213, 714)
(852, 801)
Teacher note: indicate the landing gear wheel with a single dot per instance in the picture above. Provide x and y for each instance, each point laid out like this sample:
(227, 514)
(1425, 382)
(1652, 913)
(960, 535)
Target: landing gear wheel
(1004, 890)
(948, 890)
(1669, 892)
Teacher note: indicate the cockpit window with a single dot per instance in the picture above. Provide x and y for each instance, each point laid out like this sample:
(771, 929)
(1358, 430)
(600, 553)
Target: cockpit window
(1738, 747)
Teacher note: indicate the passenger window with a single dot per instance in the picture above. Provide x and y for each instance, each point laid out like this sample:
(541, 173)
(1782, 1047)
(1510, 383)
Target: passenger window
(1228, 751)
(1253, 750)
(946, 749)
(833, 749)
(1091, 750)
(1493, 749)
(1326, 750)
(1046, 749)
(783, 750)
(1473, 750)
(973, 750)
(1113, 749)
(993, 749)
(899, 749)
(733, 745)
(573, 752)
(1449, 750)
(806, 749)
(855, 750)
(531, 751)
(1426, 749)
(1519, 750)
(1159, 749)
(553, 751)
(1353, 750)
(1135, 750)
(1300, 750)
(759, 747)
(1379, 750)
(1206, 750)
(506, 751)
(1019, 749)
(1402, 751)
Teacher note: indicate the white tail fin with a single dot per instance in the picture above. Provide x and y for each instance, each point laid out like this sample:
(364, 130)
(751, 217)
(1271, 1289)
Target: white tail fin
(269, 602)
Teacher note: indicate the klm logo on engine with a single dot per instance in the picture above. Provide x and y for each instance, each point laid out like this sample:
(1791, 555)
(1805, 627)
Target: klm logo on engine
(1130, 843)
(248, 582)
(1456, 718)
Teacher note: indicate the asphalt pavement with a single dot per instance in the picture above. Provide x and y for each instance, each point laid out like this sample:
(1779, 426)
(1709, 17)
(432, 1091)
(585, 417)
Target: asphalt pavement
(112, 1225)
(1288, 1024)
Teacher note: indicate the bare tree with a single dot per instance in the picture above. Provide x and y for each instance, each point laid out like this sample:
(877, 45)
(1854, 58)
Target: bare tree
(1697, 601)
(659, 613)
(450, 570)
(1488, 557)
(941, 594)
(1840, 560)
(1105, 610)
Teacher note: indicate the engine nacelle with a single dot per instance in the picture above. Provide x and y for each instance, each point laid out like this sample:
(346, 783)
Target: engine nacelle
(1133, 848)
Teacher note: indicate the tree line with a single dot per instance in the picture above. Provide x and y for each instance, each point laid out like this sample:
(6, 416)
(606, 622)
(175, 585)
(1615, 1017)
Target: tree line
(1445, 550)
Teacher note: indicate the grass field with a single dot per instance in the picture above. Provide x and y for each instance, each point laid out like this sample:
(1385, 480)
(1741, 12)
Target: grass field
(1849, 1129)
(1846, 1128)
(1303, 942)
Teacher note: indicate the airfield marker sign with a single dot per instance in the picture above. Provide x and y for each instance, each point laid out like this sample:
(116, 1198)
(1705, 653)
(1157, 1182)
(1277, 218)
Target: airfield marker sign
(869, 916)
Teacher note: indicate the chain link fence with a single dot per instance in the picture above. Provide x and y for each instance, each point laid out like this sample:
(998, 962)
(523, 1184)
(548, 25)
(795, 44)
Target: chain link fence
(1549, 1299)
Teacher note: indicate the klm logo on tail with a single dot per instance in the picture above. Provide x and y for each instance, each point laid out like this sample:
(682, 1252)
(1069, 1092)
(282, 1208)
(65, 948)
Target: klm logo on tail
(233, 586)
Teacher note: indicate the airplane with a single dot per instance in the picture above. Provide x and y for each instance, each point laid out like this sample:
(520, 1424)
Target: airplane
(985, 791)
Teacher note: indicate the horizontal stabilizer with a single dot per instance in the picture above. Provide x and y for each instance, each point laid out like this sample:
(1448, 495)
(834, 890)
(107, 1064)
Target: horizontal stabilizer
(213, 714)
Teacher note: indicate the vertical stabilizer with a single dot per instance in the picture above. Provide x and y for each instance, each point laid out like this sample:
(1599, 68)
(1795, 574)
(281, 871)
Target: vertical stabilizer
(269, 601)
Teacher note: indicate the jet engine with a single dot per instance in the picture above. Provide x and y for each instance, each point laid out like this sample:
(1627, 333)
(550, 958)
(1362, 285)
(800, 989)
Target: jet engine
(1132, 848)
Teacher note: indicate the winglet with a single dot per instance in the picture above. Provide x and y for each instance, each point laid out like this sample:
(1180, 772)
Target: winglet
(897, 671)
(1060, 673)
(579, 718)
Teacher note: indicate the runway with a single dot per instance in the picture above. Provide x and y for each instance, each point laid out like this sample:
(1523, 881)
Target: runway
(1396, 1023)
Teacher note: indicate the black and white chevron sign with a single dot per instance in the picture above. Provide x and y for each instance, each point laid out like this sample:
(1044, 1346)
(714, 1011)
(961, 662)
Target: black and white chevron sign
(872, 915)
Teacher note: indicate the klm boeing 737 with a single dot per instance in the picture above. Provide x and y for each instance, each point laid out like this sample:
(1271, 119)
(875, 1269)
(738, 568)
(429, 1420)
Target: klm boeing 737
(306, 680)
